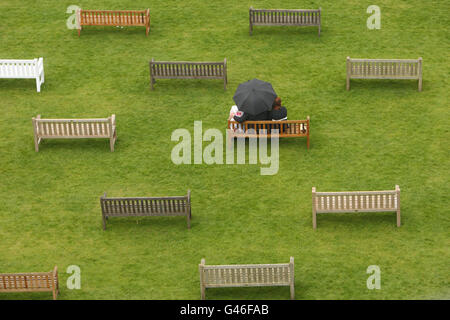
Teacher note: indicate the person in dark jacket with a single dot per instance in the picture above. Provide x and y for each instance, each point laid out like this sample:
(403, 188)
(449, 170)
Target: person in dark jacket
(279, 113)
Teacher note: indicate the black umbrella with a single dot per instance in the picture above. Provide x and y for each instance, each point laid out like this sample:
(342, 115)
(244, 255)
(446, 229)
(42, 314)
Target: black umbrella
(254, 96)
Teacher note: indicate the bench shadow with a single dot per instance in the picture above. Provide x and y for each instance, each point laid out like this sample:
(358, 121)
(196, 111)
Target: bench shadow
(157, 223)
(96, 145)
(351, 219)
(27, 84)
(288, 30)
(249, 293)
(179, 85)
(91, 31)
(380, 84)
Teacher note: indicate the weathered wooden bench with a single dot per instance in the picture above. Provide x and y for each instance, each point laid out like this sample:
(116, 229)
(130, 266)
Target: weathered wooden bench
(286, 128)
(246, 275)
(284, 17)
(30, 282)
(113, 18)
(384, 69)
(355, 201)
(74, 129)
(23, 69)
(143, 207)
(188, 70)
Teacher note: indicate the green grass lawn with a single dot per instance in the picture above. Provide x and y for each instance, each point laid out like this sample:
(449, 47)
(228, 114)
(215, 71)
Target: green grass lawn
(379, 134)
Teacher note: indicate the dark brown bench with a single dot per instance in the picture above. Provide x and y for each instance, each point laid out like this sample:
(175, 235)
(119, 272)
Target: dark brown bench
(148, 206)
(188, 70)
(284, 17)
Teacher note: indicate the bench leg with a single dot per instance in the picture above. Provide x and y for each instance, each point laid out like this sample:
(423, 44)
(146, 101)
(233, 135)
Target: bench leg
(112, 141)
(79, 32)
(37, 141)
(202, 291)
(188, 220)
(292, 292)
(348, 83)
(398, 219)
(314, 220)
(55, 294)
(38, 84)
(104, 222)
(420, 84)
(319, 30)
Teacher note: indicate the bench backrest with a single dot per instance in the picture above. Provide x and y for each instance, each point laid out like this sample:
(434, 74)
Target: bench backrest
(286, 128)
(188, 69)
(301, 17)
(22, 282)
(356, 201)
(215, 276)
(148, 206)
(113, 17)
(384, 68)
(74, 128)
(21, 68)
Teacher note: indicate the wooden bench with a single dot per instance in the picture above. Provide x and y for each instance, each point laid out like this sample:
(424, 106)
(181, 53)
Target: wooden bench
(355, 201)
(286, 128)
(284, 17)
(113, 18)
(246, 275)
(30, 282)
(384, 69)
(74, 129)
(23, 69)
(143, 207)
(188, 70)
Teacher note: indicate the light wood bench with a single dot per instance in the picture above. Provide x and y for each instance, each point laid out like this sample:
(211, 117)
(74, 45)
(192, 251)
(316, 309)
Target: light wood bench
(287, 129)
(284, 17)
(23, 69)
(188, 70)
(384, 69)
(30, 282)
(113, 18)
(355, 201)
(74, 129)
(246, 275)
(143, 207)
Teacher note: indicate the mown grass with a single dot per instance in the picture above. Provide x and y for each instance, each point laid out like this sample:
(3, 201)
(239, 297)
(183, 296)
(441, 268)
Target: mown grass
(379, 134)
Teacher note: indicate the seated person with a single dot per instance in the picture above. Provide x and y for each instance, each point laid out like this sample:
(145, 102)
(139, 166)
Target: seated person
(241, 116)
(279, 113)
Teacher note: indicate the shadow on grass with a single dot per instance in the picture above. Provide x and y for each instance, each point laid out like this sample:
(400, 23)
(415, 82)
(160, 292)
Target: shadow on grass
(97, 145)
(18, 84)
(345, 220)
(157, 223)
(180, 86)
(402, 86)
(286, 30)
(250, 293)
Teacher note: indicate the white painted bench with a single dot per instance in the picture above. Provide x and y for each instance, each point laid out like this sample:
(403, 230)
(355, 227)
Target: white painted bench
(23, 69)
(74, 129)
(384, 69)
(246, 275)
(355, 201)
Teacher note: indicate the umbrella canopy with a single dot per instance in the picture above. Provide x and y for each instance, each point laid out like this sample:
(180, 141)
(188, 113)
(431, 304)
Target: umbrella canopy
(254, 96)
